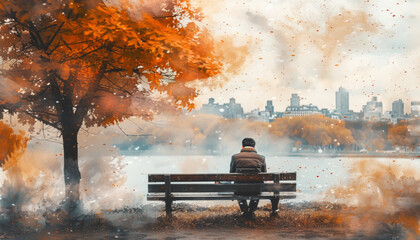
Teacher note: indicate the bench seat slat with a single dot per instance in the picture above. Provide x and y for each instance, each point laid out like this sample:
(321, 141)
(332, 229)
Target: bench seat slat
(237, 187)
(221, 177)
(215, 196)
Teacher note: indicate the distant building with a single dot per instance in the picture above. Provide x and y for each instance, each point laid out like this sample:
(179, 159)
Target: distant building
(257, 115)
(397, 109)
(269, 108)
(227, 110)
(278, 114)
(342, 101)
(295, 109)
(233, 109)
(373, 110)
(301, 111)
(415, 109)
(212, 108)
(387, 115)
(350, 115)
(356, 115)
(295, 100)
(325, 112)
(268, 115)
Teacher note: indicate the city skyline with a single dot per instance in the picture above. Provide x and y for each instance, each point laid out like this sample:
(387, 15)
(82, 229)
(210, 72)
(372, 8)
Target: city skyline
(294, 101)
(316, 48)
(322, 99)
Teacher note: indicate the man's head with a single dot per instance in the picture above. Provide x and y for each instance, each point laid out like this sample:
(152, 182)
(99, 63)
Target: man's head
(248, 142)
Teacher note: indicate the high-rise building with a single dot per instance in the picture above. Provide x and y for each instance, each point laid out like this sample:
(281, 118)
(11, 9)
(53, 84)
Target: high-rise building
(397, 109)
(294, 100)
(373, 110)
(415, 109)
(269, 108)
(342, 101)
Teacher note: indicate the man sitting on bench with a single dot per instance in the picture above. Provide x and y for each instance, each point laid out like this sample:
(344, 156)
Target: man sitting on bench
(248, 161)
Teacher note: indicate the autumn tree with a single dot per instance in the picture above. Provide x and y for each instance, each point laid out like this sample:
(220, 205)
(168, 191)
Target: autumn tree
(399, 135)
(74, 63)
(314, 130)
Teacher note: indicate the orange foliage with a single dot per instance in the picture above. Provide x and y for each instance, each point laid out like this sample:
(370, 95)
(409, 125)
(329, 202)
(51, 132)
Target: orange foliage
(315, 130)
(11, 145)
(381, 192)
(69, 63)
(71, 55)
(399, 135)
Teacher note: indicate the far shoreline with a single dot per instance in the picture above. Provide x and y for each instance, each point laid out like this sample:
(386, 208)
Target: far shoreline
(415, 155)
(356, 155)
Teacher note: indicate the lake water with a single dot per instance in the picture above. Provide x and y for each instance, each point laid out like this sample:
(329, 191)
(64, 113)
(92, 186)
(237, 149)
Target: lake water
(314, 175)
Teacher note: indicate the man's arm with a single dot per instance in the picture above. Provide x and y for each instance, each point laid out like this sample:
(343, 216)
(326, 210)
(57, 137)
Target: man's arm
(264, 167)
(232, 166)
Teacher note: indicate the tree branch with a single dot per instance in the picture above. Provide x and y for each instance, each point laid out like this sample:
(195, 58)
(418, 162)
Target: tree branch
(83, 55)
(39, 39)
(53, 37)
(133, 135)
(54, 125)
(170, 16)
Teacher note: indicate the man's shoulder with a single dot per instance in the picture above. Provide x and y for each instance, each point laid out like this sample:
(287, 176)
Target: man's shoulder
(248, 154)
(261, 156)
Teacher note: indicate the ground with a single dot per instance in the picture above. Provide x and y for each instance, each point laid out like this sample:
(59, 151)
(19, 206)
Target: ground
(294, 221)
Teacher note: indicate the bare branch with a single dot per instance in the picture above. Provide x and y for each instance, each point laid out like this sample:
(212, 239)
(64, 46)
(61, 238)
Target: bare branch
(136, 124)
(38, 37)
(133, 135)
(54, 36)
(47, 27)
(118, 87)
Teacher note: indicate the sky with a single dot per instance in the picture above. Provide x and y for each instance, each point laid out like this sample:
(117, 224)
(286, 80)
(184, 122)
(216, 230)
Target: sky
(313, 47)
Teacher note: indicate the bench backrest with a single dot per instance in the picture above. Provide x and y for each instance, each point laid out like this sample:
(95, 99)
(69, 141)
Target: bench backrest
(182, 183)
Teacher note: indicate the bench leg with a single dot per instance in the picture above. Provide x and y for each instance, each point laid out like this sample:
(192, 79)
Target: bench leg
(243, 205)
(253, 204)
(274, 205)
(168, 208)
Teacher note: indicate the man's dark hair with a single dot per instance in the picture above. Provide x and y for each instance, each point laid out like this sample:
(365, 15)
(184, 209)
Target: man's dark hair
(248, 142)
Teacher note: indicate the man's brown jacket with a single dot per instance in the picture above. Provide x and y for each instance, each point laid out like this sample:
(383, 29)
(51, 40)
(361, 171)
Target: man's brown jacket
(248, 160)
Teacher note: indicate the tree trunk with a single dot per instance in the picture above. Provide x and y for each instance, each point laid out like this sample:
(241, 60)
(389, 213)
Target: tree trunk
(71, 170)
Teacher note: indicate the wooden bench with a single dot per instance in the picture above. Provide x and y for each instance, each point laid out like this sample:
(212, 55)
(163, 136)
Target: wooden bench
(194, 187)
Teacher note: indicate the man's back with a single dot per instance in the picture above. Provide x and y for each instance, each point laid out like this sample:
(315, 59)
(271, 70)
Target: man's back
(248, 160)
